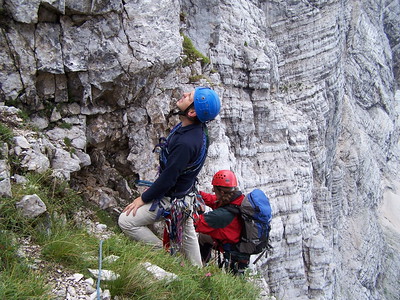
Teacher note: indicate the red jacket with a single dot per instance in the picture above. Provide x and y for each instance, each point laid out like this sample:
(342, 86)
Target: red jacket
(222, 225)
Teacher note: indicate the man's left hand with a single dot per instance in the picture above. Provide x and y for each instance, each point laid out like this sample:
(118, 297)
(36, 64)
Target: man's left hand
(133, 207)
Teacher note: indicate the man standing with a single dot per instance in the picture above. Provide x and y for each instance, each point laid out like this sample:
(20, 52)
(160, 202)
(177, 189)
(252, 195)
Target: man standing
(182, 155)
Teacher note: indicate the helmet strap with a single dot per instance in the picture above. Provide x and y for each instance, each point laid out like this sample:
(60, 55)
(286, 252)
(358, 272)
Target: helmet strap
(185, 113)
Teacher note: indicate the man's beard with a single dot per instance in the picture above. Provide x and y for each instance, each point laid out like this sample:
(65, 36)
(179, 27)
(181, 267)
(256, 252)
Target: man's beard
(178, 112)
(175, 112)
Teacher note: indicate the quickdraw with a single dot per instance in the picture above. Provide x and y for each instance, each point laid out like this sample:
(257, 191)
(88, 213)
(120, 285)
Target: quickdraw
(175, 225)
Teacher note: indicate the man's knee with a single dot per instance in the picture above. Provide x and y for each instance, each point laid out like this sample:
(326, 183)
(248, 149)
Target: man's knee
(130, 222)
(122, 222)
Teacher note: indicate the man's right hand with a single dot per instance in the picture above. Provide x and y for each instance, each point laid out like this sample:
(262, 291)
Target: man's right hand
(133, 207)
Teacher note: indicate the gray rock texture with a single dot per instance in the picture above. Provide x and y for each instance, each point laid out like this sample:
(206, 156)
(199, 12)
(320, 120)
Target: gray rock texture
(309, 115)
(31, 206)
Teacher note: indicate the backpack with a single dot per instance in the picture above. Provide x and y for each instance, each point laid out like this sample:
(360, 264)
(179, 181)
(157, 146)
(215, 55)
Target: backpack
(256, 214)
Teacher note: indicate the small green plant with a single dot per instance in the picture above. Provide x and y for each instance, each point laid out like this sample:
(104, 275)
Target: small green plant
(195, 78)
(67, 142)
(105, 218)
(284, 88)
(12, 102)
(48, 107)
(192, 54)
(15, 164)
(6, 134)
(65, 125)
(23, 115)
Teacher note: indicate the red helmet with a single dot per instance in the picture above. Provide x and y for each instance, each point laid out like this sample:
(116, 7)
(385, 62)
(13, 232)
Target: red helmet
(224, 178)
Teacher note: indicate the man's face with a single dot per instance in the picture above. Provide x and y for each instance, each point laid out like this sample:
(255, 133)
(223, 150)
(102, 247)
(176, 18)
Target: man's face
(185, 101)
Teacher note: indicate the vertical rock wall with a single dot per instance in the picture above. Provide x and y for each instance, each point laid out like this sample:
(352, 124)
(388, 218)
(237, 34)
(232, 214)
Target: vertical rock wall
(316, 127)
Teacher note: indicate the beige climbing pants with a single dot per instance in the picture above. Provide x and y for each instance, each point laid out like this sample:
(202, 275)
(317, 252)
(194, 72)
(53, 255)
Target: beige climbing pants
(136, 227)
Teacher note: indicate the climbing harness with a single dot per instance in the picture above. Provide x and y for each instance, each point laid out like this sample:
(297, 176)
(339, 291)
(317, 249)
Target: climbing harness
(175, 221)
(162, 149)
(178, 210)
(175, 212)
(199, 206)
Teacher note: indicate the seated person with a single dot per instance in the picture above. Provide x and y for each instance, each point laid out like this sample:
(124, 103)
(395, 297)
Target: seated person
(220, 228)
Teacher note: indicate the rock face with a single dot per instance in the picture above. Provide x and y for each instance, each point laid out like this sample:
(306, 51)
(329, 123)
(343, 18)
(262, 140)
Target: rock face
(309, 115)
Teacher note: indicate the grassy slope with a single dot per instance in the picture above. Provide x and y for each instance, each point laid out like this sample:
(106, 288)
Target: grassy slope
(63, 241)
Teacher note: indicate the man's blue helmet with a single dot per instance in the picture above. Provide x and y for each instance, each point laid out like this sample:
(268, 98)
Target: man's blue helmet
(206, 104)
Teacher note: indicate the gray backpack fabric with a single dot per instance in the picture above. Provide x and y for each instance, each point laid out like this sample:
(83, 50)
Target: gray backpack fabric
(256, 214)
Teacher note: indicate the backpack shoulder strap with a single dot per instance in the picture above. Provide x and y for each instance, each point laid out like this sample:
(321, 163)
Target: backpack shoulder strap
(232, 208)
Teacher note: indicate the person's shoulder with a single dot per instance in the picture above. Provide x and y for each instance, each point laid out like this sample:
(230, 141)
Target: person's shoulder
(238, 200)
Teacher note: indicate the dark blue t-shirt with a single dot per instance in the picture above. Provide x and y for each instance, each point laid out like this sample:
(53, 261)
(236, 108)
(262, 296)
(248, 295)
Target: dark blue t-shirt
(184, 148)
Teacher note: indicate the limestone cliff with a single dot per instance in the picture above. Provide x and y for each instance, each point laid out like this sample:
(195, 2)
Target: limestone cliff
(309, 115)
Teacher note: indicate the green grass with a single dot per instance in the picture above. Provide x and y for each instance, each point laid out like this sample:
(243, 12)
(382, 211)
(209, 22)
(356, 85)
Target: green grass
(193, 283)
(17, 280)
(72, 248)
(192, 54)
(6, 134)
(20, 282)
(65, 125)
(64, 242)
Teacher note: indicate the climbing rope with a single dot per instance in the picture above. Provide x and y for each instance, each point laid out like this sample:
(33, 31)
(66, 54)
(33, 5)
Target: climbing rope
(99, 276)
